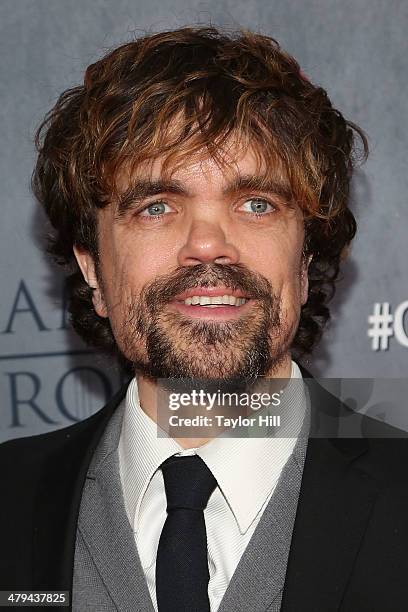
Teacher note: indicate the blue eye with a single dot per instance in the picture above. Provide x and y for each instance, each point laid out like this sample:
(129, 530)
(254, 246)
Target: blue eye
(155, 209)
(258, 206)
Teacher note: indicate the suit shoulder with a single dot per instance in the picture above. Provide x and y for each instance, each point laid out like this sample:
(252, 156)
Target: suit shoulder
(44, 441)
(388, 451)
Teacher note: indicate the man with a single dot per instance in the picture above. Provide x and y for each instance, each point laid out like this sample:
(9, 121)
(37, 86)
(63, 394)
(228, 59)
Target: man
(198, 185)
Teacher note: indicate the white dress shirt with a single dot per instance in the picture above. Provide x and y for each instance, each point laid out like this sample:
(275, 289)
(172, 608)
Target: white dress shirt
(246, 469)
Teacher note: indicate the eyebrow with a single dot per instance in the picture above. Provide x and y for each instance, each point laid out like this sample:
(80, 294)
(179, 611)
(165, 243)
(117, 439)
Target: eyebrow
(259, 183)
(145, 188)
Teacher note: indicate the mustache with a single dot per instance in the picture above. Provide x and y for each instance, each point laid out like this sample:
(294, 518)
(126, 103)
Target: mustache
(233, 276)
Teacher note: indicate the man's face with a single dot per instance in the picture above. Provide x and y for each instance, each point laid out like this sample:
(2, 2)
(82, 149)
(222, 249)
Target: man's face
(202, 276)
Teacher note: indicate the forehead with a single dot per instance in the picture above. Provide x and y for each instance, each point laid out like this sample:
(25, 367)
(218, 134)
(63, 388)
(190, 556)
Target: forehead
(223, 167)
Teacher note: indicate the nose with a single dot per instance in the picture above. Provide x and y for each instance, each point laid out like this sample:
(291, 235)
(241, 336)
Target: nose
(206, 243)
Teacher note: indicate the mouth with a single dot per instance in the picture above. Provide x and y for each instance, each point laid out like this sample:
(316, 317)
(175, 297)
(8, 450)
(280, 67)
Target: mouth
(220, 303)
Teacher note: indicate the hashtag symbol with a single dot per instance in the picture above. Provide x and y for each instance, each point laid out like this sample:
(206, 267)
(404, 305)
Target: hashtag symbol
(380, 326)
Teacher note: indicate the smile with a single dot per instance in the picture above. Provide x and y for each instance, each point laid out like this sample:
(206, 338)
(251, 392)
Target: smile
(211, 303)
(214, 302)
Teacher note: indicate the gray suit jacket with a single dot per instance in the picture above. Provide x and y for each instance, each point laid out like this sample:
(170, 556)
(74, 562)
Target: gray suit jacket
(107, 572)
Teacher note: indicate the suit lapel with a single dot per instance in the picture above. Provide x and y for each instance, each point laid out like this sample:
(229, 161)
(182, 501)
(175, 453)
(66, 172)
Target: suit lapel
(106, 531)
(335, 502)
(58, 498)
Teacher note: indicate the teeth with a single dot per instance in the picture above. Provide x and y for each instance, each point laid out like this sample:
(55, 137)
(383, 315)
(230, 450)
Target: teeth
(217, 300)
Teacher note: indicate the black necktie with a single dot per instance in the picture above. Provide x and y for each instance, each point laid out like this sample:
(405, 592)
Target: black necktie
(181, 564)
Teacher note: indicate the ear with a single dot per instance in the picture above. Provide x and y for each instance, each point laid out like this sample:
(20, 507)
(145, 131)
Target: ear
(304, 278)
(87, 264)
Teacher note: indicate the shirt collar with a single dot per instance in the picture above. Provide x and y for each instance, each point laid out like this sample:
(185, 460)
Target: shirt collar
(246, 469)
(141, 451)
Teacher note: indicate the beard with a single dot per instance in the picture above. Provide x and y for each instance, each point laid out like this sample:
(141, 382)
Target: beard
(162, 344)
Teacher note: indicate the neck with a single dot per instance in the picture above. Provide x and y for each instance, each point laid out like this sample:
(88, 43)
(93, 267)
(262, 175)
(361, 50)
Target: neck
(148, 394)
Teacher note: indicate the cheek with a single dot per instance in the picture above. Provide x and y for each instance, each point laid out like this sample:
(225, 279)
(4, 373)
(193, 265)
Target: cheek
(131, 265)
(278, 260)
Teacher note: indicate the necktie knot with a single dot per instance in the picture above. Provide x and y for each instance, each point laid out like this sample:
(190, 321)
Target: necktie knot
(188, 482)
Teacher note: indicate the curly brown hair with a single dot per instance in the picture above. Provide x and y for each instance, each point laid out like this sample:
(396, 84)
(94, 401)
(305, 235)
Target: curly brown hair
(216, 84)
